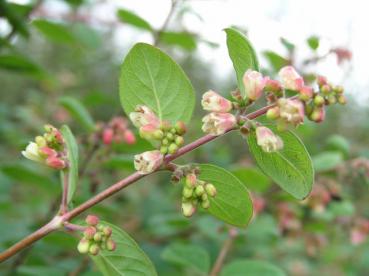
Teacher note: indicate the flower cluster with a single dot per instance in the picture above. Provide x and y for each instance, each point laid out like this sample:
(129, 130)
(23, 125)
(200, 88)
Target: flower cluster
(196, 192)
(152, 128)
(48, 149)
(117, 131)
(219, 120)
(96, 237)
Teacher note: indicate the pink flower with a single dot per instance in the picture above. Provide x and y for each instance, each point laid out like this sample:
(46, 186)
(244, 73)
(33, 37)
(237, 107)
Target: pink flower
(55, 163)
(290, 78)
(273, 86)
(218, 123)
(306, 93)
(212, 101)
(291, 111)
(148, 161)
(267, 140)
(143, 116)
(254, 83)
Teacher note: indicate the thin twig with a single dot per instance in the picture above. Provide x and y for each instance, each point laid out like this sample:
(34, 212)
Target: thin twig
(64, 200)
(50, 227)
(166, 23)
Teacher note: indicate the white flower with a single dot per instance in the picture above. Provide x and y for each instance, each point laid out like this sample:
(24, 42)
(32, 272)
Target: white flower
(212, 101)
(148, 161)
(254, 83)
(267, 140)
(142, 116)
(290, 78)
(32, 152)
(218, 123)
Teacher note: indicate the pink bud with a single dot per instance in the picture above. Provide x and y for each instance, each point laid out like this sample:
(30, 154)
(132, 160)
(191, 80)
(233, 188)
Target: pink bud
(92, 220)
(267, 140)
(290, 78)
(144, 116)
(291, 111)
(48, 152)
(273, 86)
(218, 123)
(254, 83)
(55, 163)
(148, 161)
(107, 136)
(151, 132)
(212, 101)
(89, 232)
(321, 80)
(306, 93)
(129, 137)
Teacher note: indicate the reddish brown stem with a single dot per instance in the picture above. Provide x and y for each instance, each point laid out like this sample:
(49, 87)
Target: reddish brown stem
(50, 227)
(64, 200)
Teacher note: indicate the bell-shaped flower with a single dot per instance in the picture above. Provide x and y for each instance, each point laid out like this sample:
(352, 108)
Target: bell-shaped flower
(218, 123)
(148, 161)
(290, 78)
(254, 83)
(291, 111)
(212, 101)
(142, 116)
(32, 152)
(267, 140)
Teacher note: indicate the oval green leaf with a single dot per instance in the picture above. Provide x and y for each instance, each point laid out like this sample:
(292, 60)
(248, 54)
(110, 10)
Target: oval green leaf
(327, 161)
(133, 19)
(242, 54)
(232, 204)
(291, 168)
(78, 112)
(150, 77)
(251, 268)
(127, 259)
(72, 154)
(187, 255)
(55, 32)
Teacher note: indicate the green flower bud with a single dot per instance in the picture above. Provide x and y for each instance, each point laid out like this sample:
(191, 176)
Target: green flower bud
(273, 113)
(107, 231)
(338, 89)
(40, 141)
(342, 99)
(210, 189)
(97, 237)
(204, 197)
(165, 142)
(83, 246)
(179, 140)
(199, 190)
(172, 148)
(163, 149)
(191, 180)
(326, 89)
(187, 192)
(94, 249)
(195, 201)
(173, 130)
(205, 204)
(332, 99)
(110, 245)
(170, 136)
(319, 100)
(158, 134)
(180, 128)
(188, 209)
(89, 232)
(165, 125)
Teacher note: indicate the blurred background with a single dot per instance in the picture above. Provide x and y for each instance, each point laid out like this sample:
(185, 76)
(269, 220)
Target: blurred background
(59, 63)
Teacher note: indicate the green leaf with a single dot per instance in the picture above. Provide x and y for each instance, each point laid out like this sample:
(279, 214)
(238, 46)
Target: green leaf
(150, 77)
(78, 112)
(232, 203)
(291, 168)
(326, 161)
(187, 255)
(242, 54)
(55, 32)
(184, 40)
(20, 64)
(133, 19)
(287, 44)
(72, 154)
(275, 60)
(313, 42)
(127, 259)
(252, 178)
(338, 143)
(251, 268)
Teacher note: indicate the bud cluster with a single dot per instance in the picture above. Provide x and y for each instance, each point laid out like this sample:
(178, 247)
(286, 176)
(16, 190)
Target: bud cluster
(117, 131)
(48, 149)
(152, 128)
(96, 237)
(196, 192)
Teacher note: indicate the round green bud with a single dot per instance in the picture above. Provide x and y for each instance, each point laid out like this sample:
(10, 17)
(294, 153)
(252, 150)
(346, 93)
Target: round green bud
(110, 245)
(83, 246)
(165, 142)
(94, 249)
(172, 148)
(338, 89)
(188, 209)
(170, 136)
(165, 125)
(173, 130)
(210, 189)
(204, 197)
(341, 99)
(179, 141)
(205, 204)
(319, 100)
(40, 141)
(107, 231)
(332, 99)
(164, 149)
(199, 190)
(97, 237)
(158, 134)
(195, 201)
(180, 127)
(273, 113)
(187, 192)
(326, 89)
(191, 180)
